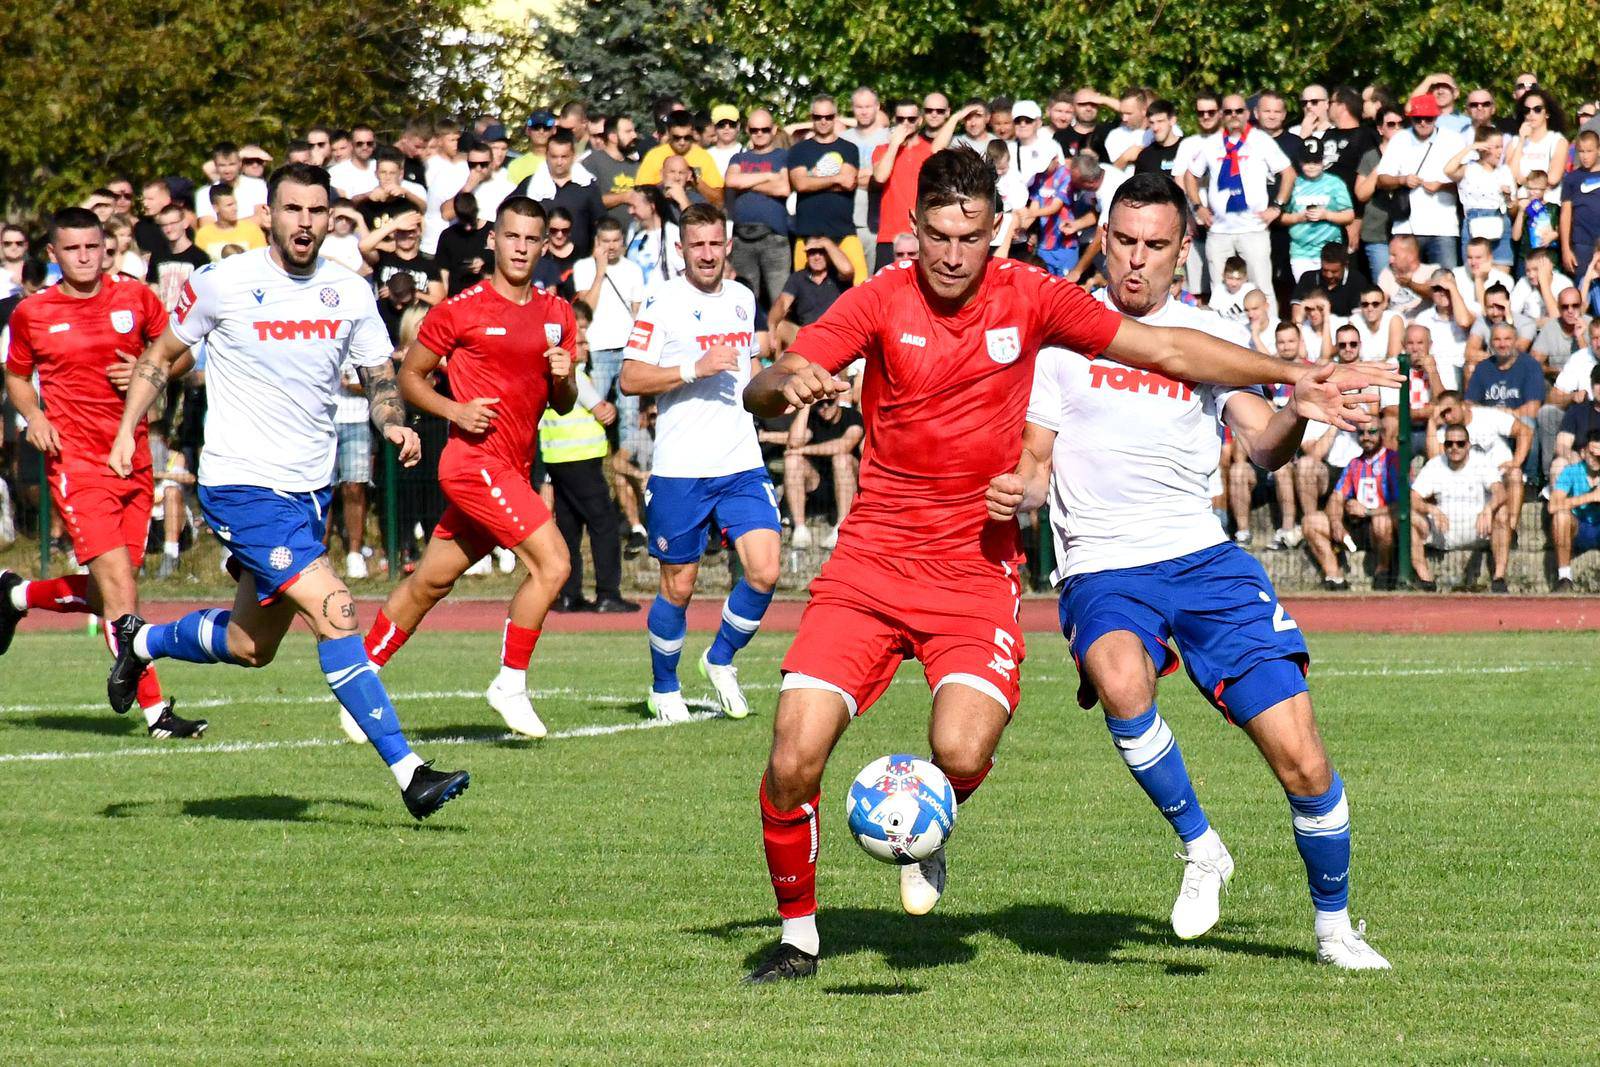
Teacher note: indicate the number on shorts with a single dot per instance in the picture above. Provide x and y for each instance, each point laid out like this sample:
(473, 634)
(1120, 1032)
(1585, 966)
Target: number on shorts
(772, 495)
(1280, 618)
(1004, 662)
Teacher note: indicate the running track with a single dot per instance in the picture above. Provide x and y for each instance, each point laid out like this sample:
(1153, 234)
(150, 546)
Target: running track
(1415, 614)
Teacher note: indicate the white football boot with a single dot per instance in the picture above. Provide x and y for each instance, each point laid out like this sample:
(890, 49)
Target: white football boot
(921, 884)
(724, 678)
(668, 707)
(1198, 905)
(801, 538)
(516, 709)
(1349, 951)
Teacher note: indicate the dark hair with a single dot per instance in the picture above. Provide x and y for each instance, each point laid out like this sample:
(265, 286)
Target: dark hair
(564, 136)
(1497, 287)
(582, 311)
(1286, 324)
(319, 128)
(1213, 95)
(224, 148)
(1357, 331)
(1000, 103)
(1233, 264)
(955, 176)
(1153, 187)
(679, 118)
(73, 218)
(466, 205)
(1593, 435)
(701, 215)
(220, 189)
(172, 206)
(1162, 107)
(336, 134)
(528, 208)
(1335, 252)
(1594, 374)
(1372, 287)
(300, 174)
(34, 271)
(606, 225)
(388, 153)
(554, 214)
(1555, 118)
(1347, 98)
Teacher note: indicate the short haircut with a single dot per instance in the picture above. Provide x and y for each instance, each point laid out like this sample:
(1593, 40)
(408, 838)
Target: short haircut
(446, 126)
(1594, 374)
(824, 98)
(74, 218)
(1061, 96)
(955, 176)
(582, 313)
(1347, 98)
(1588, 138)
(1485, 132)
(996, 150)
(1593, 435)
(1540, 253)
(1208, 94)
(1000, 103)
(678, 118)
(173, 208)
(466, 205)
(220, 189)
(299, 144)
(1353, 330)
(1371, 287)
(34, 272)
(1149, 188)
(1532, 174)
(1407, 239)
(224, 149)
(1086, 166)
(300, 174)
(1335, 252)
(562, 135)
(386, 153)
(1234, 265)
(608, 224)
(1508, 326)
(697, 215)
(1162, 106)
(1483, 243)
(575, 109)
(1287, 326)
(525, 206)
(1497, 289)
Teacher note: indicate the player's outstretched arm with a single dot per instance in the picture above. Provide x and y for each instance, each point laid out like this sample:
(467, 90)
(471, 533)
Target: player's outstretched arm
(791, 382)
(1028, 486)
(388, 411)
(165, 356)
(1271, 438)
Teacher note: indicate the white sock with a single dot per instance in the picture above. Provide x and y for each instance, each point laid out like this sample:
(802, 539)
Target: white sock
(170, 548)
(19, 596)
(153, 712)
(1564, 572)
(1208, 845)
(405, 768)
(802, 933)
(141, 642)
(511, 680)
(1333, 923)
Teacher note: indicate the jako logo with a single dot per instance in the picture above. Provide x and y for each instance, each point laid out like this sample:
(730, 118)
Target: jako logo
(913, 340)
(1132, 380)
(298, 329)
(736, 340)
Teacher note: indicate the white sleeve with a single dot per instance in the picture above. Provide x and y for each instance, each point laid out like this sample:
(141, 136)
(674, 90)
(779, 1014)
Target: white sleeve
(198, 307)
(369, 343)
(589, 397)
(1500, 420)
(1044, 404)
(1389, 162)
(1426, 483)
(1273, 157)
(1488, 473)
(583, 274)
(647, 339)
(1573, 378)
(1201, 161)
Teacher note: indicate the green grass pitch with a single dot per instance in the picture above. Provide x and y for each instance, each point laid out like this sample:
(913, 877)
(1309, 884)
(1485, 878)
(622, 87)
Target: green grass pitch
(262, 896)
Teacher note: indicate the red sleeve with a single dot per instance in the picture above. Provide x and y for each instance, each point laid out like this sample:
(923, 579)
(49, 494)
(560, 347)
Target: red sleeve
(569, 326)
(848, 330)
(1069, 317)
(1347, 481)
(20, 356)
(438, 331)
(155, 314)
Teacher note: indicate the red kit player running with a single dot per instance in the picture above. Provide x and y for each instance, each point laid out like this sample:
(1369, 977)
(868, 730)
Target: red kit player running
(506, 347)
(82, 337)
(920, 570)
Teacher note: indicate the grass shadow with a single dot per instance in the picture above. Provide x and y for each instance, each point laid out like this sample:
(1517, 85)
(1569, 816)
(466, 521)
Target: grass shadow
(874, 989)
(106, 725)
(267, 807)
(477, 732)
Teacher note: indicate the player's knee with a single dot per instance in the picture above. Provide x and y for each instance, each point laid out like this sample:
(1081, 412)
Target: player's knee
(793, 776)
(678, 587)
(762, 575)
(963, 756)
(247, 652)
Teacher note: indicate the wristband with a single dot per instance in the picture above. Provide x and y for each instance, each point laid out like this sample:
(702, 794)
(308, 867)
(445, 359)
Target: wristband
(687, 372)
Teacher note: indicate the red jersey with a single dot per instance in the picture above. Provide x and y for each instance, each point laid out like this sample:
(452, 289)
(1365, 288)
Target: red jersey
(900, 191)
(944, 399)
(493, 347)
(71, 342)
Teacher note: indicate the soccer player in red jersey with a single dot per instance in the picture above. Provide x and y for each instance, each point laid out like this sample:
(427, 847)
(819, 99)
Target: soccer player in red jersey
(82, 336)
(920, 569)
(506, 346)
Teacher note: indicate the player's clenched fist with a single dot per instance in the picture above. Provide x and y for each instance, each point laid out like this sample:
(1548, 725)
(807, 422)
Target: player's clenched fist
(120, 458)
(406, 440)
(1004, 496)
(476, 414)
(560, 362)
(811, 383)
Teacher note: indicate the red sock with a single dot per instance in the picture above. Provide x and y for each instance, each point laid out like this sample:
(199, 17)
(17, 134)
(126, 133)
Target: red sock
(790, 839)
(384, 639)
(68, 595)
(516, 648)
(965, 786)
(149, 688)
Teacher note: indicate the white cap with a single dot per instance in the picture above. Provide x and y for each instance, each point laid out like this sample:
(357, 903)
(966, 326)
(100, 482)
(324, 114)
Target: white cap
(1026, 109)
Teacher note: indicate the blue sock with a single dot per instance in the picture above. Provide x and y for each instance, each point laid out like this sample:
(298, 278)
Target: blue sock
(1151, 753)
(1322, 834)
(741, 617)
(667, 623)
(198, 637)
(355, 683)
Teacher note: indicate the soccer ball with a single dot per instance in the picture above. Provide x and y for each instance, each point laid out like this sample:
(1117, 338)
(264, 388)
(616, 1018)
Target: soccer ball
(901, 809)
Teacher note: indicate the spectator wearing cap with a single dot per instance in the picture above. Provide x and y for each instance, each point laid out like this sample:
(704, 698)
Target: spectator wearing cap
(1575, 510)
(358, 174)
(680, 141)
(1458, 502)
(249, 193)
(1413, 167)
(1319, 210)
(1442, 87)
(725, 136)
(824, 174)
(539, 127)
(1239, 161)
(498, 139)
(757, 180)
(614, 162)
(1036, 155)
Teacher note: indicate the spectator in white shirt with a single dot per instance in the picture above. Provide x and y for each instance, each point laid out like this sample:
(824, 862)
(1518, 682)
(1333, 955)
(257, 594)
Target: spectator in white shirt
(1486, 189)
(1414, 163)
(1448, 324)
(1407, 281)
(1477, 274)
(1037, 153)
(1572, 384)
(613, 288)
(1459, 503)
(1126, 141)
(249, 193)
(1534, 295)
(358, 174)
(446, 172)
(1238, 161)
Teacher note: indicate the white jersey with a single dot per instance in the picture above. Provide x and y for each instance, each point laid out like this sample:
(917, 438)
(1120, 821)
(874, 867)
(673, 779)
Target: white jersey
(702, 428)
(1461, 493)
(1134, 455)
(275, 344)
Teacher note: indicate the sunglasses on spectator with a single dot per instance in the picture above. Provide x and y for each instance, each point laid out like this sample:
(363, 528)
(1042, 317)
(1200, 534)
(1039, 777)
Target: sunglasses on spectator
(936, 111)
(364, 144)
(727, 124)
(912, 119)
(1526, 85)
(1372, 303)
(1349, 344)
(819, 116)
(1536, 109)
(477, 163)
(758, 129)
(1480, 103)
(1455, 442)
(676, 137)
(1309, 100)
(1205, 112)
(1391, 124)
(1569, 307)
(560, 229)
(318, 144)
(1233, 111)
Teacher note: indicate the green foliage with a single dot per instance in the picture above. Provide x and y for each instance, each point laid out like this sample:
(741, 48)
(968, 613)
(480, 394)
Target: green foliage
(97, 87)
(1034, 47)
(621, 55)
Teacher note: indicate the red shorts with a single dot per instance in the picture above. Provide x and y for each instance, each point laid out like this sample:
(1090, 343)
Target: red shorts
(489, 506)
(869, 612)
(103, 511)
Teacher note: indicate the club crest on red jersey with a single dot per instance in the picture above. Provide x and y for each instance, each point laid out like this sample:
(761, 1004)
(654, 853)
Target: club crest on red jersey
(1005, 344)
(552, 333)
(122, 320)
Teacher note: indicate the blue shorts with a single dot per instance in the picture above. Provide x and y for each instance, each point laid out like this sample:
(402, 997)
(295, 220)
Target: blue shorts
(1059, 260)
(676, 510)
(1586, 536)
(271, 533)
(1218, 605)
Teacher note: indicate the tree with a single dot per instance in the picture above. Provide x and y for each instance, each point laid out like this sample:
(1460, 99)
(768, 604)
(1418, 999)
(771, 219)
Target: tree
(622, 55)
(144, 87)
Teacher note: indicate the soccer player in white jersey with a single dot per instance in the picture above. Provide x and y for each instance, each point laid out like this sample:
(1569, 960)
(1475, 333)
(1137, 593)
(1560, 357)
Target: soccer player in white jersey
(278, 323)
(1144, 562)
(691, 348)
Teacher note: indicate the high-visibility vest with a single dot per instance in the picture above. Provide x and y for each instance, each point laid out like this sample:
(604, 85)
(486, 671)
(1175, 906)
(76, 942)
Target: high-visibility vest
(571, 437)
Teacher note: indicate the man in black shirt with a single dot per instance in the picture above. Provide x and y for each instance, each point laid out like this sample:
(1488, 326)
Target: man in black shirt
(555, 186)
(1157, 156)
(396, 248)
(1337, 278)
(391, 197)
(170, 267)
(1086, 129)
(1347, 140)
(822, 439)
(810, 291)
(463, 251)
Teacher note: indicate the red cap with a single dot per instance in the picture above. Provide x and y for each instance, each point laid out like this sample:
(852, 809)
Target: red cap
(1423, 106)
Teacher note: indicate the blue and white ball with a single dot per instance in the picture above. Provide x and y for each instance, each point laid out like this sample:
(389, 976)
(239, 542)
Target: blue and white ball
(902, 809)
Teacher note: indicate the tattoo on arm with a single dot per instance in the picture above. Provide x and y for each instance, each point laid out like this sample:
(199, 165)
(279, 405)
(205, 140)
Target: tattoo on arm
(151, 372)
(383, 395)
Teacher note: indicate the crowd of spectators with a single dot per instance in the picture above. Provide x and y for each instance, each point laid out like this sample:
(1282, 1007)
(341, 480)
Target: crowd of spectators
(1333, 224)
